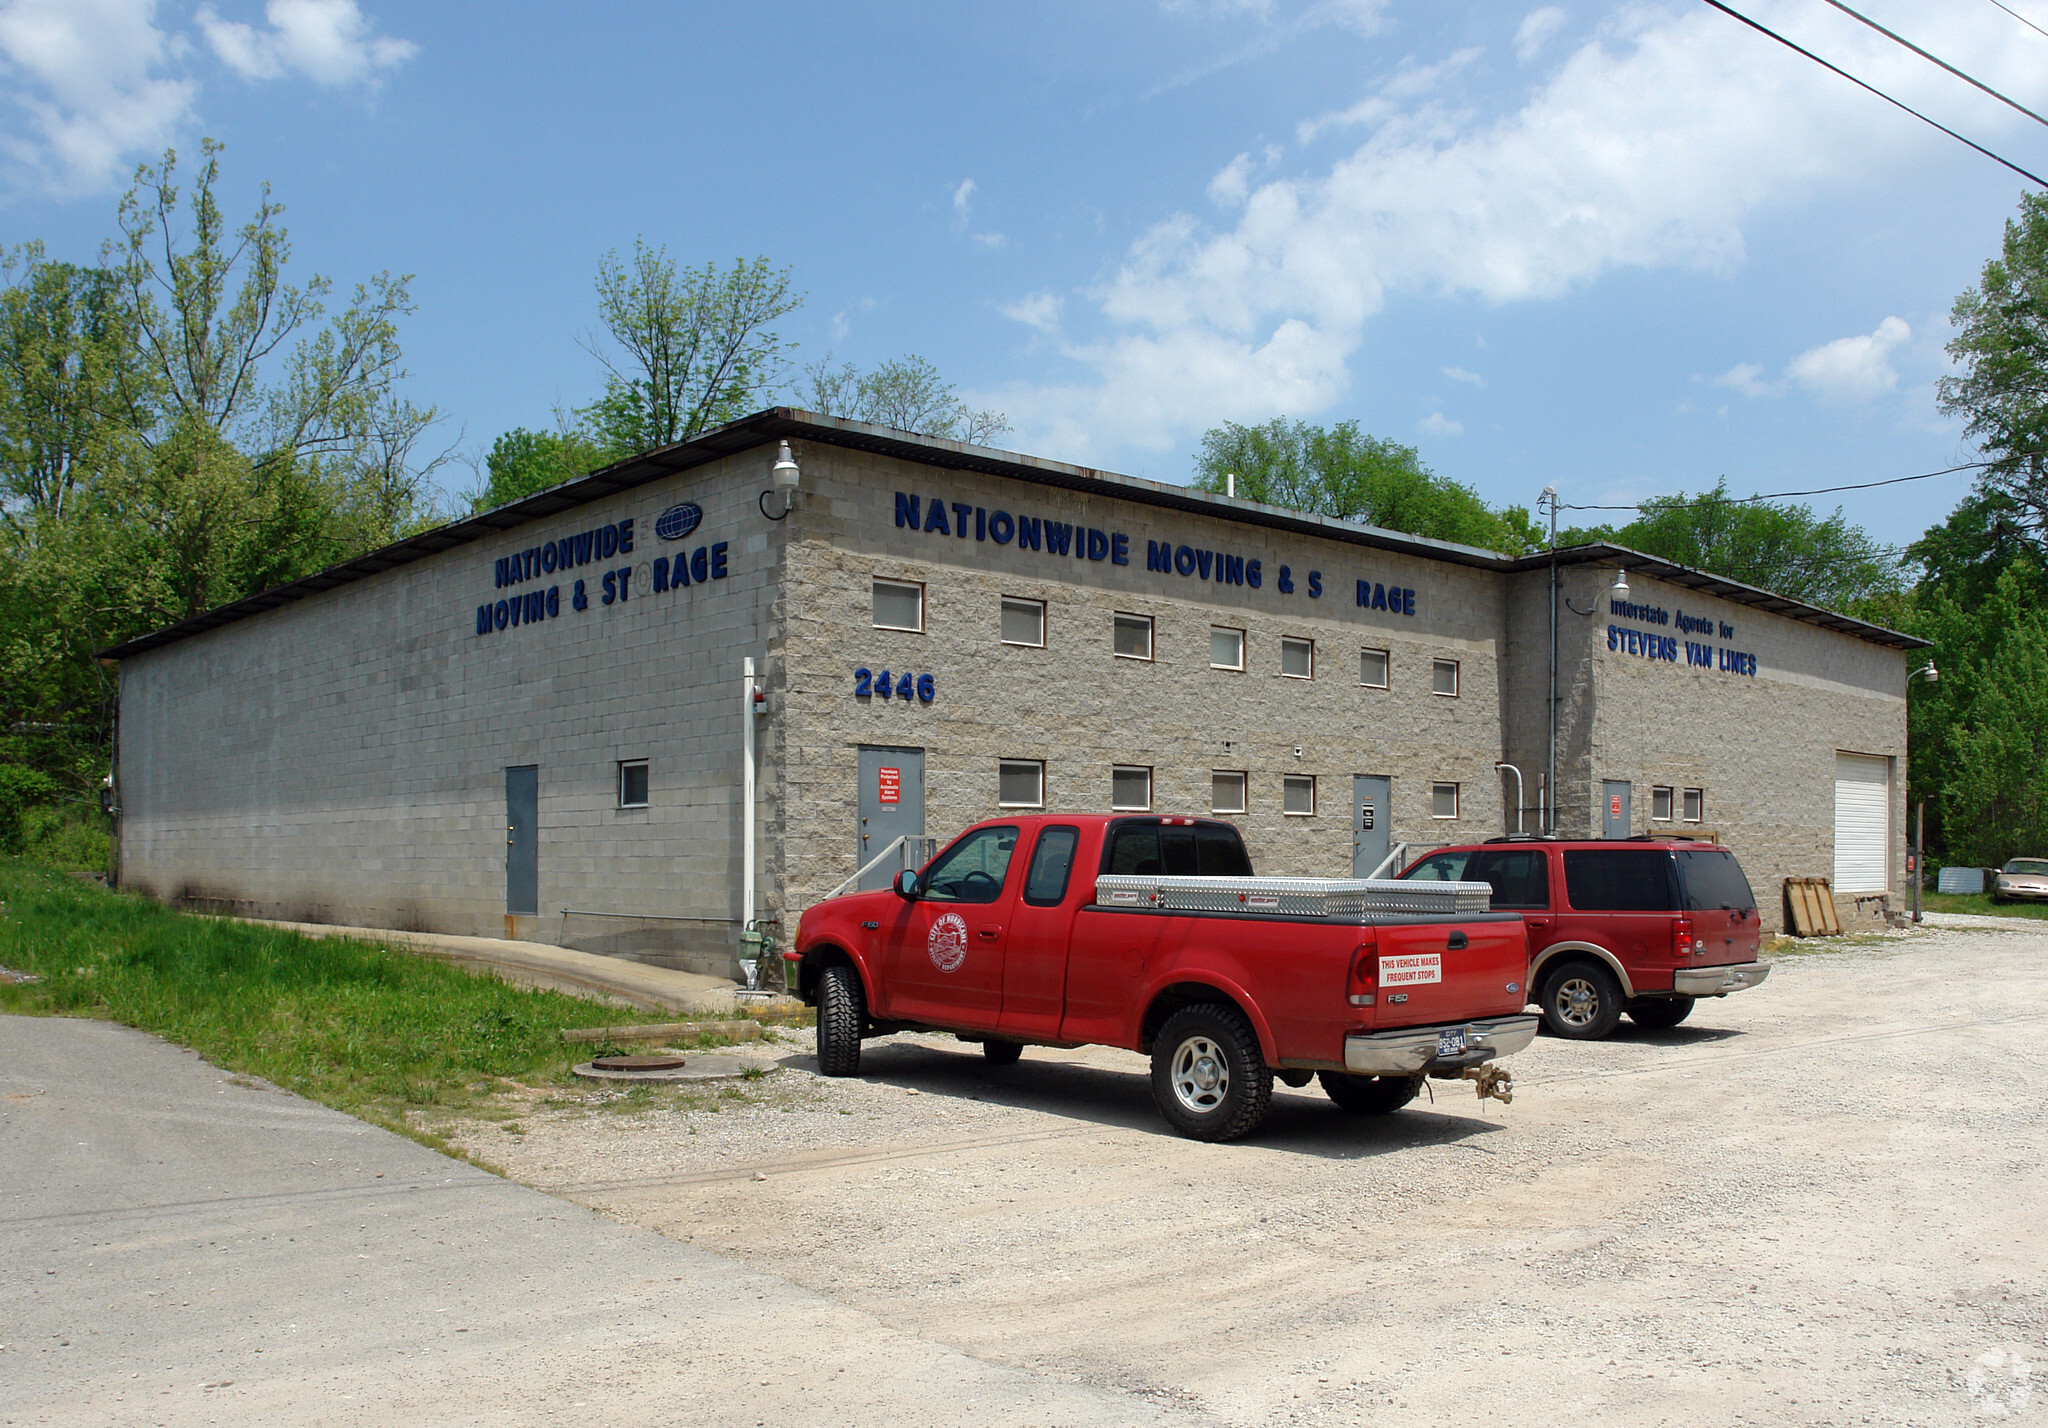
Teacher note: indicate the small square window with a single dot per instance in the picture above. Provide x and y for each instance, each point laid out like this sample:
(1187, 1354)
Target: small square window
(1226, 791)
(1695, 804)
(1298, 795)
(1133, 636)
(1443, 800)
(633, 783)
(1020, 783)
(1443, 678)
(1023, 622)
(1372, 668)
(1130, 790)
(899, 605)
(1660, 804)
(1226, 647)
(1298, 659)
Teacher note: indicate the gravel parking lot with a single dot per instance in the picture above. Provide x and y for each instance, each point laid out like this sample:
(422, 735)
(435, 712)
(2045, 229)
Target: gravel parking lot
(1820, 1202)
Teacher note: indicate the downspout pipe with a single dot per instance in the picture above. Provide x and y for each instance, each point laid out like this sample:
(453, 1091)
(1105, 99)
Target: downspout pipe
(1550, 492)
(747, 792)
(1518, 792)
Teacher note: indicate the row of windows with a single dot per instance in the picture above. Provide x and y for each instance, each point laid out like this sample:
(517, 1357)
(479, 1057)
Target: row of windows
(1693, 808)
(1020, 783)
(899, 605)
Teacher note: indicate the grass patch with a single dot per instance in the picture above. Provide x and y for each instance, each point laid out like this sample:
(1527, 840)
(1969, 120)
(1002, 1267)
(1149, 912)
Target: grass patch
(351, 1024)
(1982, 905)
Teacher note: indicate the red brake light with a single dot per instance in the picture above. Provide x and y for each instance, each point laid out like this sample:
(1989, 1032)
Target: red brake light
(1681, 937)
(1363, 979)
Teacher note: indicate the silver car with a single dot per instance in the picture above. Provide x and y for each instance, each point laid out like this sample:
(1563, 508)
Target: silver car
(2022, 878)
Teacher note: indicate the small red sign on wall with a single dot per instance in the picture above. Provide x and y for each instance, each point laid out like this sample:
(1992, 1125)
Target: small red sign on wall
(889, 786)
(1614, 808)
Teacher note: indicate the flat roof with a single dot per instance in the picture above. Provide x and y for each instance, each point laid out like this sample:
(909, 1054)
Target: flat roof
(792, 424)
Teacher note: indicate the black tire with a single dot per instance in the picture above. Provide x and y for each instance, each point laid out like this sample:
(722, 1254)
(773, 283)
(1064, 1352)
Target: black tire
(1208, 1076)
(1001, 1053)
(842, 1013)
(1581, 1001)
(1369, 1095)
(1660, 1013)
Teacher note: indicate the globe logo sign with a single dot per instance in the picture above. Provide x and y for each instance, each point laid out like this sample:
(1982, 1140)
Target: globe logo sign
(678, 521)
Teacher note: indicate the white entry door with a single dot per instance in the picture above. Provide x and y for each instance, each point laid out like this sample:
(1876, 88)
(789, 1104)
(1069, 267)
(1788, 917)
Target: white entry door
(1862, 822)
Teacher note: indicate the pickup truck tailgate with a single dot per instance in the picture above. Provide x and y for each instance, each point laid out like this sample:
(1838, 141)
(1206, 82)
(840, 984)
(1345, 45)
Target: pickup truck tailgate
(1450, 970)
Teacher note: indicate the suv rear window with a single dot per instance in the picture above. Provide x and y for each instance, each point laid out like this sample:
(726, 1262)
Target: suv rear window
(1204, 851)
(1713, 880)
(1520, 877)
(1620, 880)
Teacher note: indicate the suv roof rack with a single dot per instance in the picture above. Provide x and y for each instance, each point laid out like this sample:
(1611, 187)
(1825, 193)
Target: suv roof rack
(1662, 838)
(1525, 838)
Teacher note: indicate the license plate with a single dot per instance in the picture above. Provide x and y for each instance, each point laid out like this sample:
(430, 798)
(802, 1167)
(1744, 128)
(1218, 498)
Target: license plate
(1450, 1041)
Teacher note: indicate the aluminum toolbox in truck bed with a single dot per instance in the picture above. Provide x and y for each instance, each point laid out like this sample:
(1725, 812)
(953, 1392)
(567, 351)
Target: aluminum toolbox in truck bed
(1324, 898)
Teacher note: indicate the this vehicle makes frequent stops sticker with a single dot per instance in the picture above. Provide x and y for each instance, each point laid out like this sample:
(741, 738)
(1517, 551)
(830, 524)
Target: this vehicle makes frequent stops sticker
(1411, 969)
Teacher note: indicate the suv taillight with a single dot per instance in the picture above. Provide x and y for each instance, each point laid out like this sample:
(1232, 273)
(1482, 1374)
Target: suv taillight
(1681, 937)
(1363, 979)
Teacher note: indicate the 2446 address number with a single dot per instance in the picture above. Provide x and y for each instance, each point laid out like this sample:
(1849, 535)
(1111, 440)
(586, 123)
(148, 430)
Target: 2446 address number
(879, 684)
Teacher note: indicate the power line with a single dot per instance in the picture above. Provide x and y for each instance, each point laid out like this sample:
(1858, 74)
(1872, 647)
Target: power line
(1895, 103)
(1937, 59)
(1785, 495)
(2021, 18)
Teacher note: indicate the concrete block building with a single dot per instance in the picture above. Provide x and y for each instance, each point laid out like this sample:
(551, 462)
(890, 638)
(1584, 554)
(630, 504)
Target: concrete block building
(535, 722)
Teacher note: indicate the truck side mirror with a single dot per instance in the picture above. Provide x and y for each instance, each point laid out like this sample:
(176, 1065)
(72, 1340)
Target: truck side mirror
(906, 885)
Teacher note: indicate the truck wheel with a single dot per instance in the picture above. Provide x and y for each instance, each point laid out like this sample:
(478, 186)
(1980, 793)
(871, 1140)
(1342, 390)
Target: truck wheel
(1660, 1013)
(842, 1009)
(1208, 1075)
(1001, 1053)
(1581, 1000)
(1369, 1095)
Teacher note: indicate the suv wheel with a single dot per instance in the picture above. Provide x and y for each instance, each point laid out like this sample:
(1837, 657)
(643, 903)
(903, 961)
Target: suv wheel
(1660, 1013)
(1581, 1001)
(842, 1011)
(1369, 1095)
(1208, 1075)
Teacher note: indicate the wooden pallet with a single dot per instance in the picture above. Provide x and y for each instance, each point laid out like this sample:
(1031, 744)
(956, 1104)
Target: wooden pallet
(1810, 903)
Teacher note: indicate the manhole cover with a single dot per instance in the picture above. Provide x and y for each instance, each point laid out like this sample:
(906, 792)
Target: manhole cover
(637, 1063)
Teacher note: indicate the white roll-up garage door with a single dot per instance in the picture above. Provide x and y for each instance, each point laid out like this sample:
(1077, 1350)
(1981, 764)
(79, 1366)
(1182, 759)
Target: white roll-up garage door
(1862, 821)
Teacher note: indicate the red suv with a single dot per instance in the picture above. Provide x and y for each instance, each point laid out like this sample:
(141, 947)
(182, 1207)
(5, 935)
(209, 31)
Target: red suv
(1643, 925)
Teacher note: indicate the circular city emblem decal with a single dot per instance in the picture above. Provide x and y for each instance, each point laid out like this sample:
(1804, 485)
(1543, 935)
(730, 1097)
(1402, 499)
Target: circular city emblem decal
(948, 942)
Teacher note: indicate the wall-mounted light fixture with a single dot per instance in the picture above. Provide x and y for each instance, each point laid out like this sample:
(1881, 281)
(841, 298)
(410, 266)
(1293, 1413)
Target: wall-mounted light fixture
(1930, 674)
(785, 476)
(1619, 590)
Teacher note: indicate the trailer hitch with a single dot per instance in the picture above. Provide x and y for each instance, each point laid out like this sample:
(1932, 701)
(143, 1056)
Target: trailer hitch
(1495, 1081)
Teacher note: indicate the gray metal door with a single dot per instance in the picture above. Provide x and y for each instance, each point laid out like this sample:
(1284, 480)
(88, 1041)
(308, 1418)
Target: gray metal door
(1615, 812)
(891, 806)
(1372, 837)
(522, 840)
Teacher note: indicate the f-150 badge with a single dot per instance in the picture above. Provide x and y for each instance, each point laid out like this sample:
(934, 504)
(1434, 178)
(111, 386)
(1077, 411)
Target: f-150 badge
(948, 941)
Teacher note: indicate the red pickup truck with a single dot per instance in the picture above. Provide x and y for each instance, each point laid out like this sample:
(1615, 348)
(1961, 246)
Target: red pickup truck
(1152, 934)
(1643, 925)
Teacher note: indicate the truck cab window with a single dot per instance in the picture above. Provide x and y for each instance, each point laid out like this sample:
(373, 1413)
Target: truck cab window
(973, 869)
(1221, 853)
(1052, 863)
(1520, 877)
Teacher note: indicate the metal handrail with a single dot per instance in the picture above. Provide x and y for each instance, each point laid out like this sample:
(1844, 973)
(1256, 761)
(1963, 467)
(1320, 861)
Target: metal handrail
(1395, 857)
(871, 864)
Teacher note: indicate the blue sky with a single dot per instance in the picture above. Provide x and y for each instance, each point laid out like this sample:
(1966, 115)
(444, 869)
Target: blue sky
(1621, 248)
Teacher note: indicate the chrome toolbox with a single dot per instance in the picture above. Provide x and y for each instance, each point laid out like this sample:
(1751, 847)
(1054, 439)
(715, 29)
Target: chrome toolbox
(1292, 897)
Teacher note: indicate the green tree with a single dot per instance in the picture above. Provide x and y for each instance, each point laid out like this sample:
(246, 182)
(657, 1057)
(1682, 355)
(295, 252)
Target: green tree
(1782, 548)
(1341, 472)
(688, 350)
(906, 393)
(522, 462)
(1994, 744)
(2001, 344)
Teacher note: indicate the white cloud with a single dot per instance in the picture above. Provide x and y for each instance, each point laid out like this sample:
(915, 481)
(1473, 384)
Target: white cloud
(328, 41)
(1536, 31)
(1232, 184)
(1040, 312)
(1459, 374)
(1437, 424)
(990, 240)
(1649, 146)
(1747, 378)
(1852, 369)
(963, 202)
(87, 86)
